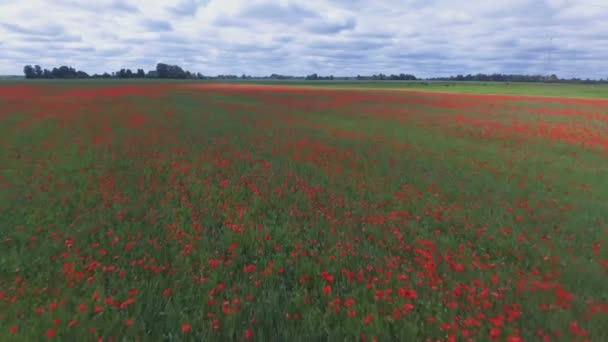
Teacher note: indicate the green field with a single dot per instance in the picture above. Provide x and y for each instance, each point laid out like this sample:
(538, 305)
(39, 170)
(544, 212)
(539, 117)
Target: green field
(599, 91)
(196, 211)
(592, 91)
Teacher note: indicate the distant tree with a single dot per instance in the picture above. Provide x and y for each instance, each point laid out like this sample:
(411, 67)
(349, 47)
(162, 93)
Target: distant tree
(140, 73)
(170, 71)
(227, 77)
(29, 72)
(497, 77)
(38, 71)
(64, 72)
(312, 77)
(162, 70)
(125, 73)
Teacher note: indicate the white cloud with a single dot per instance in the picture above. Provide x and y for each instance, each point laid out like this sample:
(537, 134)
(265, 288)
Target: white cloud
(340, 37)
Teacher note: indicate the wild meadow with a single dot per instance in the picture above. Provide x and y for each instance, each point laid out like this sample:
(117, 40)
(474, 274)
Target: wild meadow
(209, 212)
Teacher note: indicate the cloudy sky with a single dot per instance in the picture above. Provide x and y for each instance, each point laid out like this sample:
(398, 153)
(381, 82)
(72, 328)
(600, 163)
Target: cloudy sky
(339, 37)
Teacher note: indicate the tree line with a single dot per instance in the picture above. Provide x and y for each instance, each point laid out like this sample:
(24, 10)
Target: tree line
(515, 78)
(61, 72)
(166, 71)
(162, 71)
(499, 78)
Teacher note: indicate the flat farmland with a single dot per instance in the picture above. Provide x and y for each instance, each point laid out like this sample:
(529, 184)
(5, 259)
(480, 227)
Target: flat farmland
(208, 212)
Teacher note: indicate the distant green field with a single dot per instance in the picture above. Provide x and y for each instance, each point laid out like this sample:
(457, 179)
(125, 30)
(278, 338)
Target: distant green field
(597, 91)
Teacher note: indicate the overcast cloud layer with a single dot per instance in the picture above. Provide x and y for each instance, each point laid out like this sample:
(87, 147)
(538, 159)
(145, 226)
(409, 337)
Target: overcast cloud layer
(339, 37)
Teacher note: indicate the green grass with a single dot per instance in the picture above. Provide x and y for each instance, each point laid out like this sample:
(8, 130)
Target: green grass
(233, 211)
(593, 91)
(590, 91)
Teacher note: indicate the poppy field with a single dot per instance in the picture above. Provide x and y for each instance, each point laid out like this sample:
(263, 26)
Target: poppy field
(210, 212)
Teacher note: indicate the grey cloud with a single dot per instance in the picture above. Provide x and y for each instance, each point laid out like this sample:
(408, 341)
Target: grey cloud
(375, 35)
(343, 55)
(508, 42)
(170, 52)
(269, 12)
(122, 6)
(157, 25)
(115, 7)
(351, 44)
(65, 38)
(227, 21)
(273, 11)
(252, 48)
(421, 55)
(332, 27)
(84, 49)
(173, 38)
(52, 51)
(187, 7)
(48, 30)
(165, 39)
(284, 39)
(114, 52)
